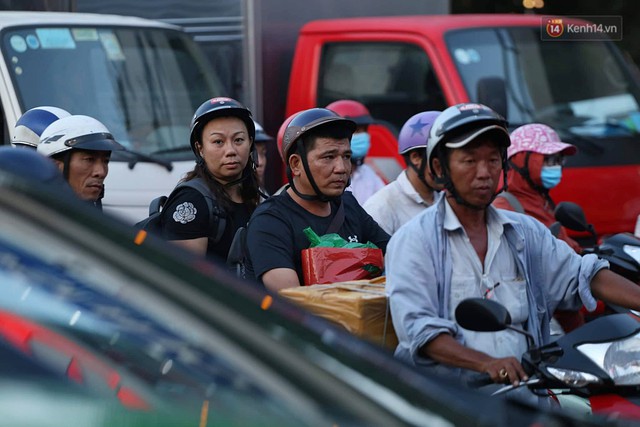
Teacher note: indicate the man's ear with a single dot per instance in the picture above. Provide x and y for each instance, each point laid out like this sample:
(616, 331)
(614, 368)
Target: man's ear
(59, 164)
(295, 164)
(415, 158)
(437, 167)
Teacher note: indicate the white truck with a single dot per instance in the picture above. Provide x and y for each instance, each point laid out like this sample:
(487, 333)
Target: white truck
(143, 79)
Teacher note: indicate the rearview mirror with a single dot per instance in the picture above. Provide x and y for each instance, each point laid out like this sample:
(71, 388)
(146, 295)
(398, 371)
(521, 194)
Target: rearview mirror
(482, 315)
(571, 216)
(492, 93)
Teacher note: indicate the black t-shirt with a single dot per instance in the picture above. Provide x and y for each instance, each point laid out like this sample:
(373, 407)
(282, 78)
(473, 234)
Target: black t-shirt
(275, 238)
(187, 217)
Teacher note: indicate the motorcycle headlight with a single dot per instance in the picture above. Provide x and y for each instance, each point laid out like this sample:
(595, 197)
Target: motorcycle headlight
(573, 378)
(619, 359)
(632, 251)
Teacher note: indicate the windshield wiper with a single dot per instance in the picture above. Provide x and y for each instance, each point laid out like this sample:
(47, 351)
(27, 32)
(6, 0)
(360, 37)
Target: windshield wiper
(616, 125)
(141, 157)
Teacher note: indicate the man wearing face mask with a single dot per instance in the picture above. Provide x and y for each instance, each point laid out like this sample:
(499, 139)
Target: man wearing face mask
(364, 181)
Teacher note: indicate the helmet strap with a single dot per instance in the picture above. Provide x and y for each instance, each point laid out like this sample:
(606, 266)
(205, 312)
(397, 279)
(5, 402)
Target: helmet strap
(420, 172)
(319, 196)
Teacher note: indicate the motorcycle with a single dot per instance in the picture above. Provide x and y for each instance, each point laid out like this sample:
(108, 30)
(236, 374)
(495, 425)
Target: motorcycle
(599, 361)
(621, 250)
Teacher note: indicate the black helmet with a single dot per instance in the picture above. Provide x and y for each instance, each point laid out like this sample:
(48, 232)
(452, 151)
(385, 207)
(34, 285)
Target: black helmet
(460, 124)
(307, 120)
(261, 135)
(219, 107)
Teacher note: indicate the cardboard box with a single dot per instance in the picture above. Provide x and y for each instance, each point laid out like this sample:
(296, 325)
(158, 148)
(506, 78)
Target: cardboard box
(360, 306)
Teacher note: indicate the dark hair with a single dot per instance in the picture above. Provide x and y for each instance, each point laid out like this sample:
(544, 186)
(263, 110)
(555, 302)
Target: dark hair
(248, 190)
(407, 156)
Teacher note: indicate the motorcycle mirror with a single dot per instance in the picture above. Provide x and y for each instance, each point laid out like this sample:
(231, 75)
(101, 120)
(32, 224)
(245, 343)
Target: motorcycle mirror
(572, 216)
(482, 315)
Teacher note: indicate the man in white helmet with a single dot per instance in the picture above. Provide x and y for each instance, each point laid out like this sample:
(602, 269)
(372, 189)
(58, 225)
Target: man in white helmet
(81, 146)
(29, 127)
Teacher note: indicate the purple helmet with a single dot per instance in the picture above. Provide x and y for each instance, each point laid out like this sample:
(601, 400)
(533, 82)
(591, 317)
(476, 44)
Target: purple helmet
(415, 131)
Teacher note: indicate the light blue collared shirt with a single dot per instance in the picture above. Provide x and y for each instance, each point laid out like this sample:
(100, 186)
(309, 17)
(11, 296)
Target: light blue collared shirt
(419, 270)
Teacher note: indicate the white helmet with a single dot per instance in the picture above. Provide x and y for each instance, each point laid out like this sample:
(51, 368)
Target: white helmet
(33, 122)
(76, 132)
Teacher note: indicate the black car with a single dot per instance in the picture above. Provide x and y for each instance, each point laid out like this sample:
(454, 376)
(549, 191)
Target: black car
(100, 325)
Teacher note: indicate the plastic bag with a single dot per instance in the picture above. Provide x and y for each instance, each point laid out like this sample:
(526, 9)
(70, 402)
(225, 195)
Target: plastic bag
(332, 240)
(332, 259)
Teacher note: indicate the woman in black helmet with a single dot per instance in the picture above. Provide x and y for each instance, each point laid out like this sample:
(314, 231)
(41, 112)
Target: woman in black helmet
(222, 139)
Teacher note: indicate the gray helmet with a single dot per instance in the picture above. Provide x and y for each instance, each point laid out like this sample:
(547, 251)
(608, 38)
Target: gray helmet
(462, 123)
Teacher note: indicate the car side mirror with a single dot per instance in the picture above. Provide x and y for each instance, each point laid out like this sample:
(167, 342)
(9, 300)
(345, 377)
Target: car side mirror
(492, 93)
(482, 315)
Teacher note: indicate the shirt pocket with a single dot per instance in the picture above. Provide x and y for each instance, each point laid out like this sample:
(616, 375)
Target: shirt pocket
(461, 289)
(513, 295)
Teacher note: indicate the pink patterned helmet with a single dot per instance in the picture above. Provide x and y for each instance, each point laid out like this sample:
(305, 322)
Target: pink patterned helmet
(538, 138)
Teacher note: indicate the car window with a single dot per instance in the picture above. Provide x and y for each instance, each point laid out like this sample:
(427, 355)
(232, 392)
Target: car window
(394, 80)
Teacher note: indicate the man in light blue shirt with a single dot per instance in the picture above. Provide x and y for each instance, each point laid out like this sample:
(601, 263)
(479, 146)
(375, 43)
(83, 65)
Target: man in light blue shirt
(462, 247)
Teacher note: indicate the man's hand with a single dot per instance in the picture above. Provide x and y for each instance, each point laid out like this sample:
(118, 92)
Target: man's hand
(505, 370)
(445, 349)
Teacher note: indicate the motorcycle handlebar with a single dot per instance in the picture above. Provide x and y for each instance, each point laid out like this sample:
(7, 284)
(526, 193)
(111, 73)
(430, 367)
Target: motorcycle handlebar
(479, 380)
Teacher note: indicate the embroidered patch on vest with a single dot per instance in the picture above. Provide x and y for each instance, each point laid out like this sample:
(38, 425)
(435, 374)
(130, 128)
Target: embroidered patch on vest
(185, 212)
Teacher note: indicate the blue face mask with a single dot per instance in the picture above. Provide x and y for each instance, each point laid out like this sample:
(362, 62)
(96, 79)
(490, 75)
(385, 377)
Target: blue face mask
(360, 143)
(551, 176)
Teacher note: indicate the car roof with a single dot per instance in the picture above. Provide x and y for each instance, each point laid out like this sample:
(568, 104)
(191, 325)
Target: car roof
(10, 19)
(423, 24)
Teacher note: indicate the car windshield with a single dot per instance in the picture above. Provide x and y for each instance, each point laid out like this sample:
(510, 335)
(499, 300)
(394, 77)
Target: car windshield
(143, 85)
(584, 86)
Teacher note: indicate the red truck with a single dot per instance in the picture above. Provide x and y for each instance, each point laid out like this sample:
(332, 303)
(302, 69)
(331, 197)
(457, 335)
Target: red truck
(398, 66)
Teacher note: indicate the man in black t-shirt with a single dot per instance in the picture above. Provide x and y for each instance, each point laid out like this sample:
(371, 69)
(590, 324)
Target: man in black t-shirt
(315, 146)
